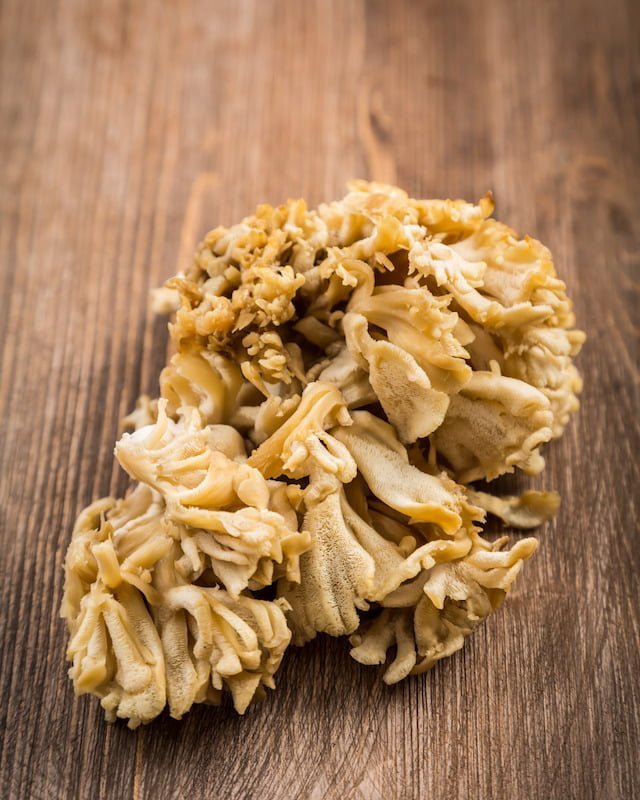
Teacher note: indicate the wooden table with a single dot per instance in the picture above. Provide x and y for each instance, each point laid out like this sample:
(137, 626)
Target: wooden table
(129, 129)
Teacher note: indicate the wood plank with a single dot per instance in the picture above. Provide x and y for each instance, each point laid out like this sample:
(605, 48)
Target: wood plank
(129, 129)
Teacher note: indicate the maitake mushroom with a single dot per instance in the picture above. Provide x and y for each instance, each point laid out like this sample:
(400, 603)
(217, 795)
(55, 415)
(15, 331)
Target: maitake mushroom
(340, 377)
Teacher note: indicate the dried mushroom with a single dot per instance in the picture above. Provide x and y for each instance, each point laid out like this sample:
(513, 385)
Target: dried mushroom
(341, 375)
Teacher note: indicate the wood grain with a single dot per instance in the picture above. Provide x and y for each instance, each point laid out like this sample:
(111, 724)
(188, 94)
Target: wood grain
(127, 130)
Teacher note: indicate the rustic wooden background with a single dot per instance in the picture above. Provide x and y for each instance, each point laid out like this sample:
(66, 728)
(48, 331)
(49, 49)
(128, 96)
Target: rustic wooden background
(128, 129)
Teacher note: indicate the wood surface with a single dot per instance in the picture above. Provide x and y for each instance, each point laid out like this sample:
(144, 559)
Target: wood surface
(127, 129)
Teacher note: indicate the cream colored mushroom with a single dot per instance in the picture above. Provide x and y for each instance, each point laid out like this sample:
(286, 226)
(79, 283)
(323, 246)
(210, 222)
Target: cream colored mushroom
(340, 376)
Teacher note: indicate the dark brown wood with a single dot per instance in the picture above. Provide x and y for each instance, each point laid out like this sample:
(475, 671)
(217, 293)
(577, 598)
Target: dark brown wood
(127, 130)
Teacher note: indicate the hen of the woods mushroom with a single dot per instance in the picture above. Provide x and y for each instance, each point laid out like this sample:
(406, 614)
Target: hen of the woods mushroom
(340, 377)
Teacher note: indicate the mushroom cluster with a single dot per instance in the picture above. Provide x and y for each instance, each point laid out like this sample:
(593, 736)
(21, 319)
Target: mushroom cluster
(340, 377)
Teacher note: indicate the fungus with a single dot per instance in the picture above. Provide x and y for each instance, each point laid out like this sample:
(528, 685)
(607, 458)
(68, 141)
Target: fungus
(340, 378)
